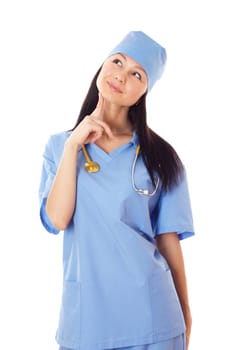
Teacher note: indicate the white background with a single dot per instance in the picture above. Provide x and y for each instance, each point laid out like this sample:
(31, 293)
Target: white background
(50, 50)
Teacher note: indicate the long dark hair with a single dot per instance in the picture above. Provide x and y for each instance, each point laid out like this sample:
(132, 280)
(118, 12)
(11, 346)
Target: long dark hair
(158, 155)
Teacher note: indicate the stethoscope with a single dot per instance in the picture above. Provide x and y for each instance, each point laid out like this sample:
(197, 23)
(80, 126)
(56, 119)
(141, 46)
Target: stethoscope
(93, 167)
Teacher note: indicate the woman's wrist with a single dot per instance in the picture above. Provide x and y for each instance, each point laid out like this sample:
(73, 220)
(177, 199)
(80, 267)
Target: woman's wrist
(70, 146)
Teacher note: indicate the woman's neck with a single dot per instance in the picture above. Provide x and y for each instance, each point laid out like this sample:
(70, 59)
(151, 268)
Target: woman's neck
(117, 119)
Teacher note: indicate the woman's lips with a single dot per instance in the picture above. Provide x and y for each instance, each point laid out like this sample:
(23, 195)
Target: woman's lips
(114, 88)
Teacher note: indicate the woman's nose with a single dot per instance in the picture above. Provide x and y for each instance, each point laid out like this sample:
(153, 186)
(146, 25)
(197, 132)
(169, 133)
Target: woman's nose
(120, 76)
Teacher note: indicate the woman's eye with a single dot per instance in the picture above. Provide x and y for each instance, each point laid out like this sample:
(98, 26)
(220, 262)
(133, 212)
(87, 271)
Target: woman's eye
(117, 61)
(137, 75)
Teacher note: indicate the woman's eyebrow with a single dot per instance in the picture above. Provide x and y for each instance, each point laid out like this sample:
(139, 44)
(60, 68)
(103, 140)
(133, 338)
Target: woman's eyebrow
(138, 66)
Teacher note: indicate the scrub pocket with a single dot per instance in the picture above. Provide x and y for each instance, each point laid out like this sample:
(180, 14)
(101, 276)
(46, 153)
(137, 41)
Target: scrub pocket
(69, 323)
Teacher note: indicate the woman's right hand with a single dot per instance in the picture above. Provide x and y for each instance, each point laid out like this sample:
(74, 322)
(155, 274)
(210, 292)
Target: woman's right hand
(61, 200)
(91, 128)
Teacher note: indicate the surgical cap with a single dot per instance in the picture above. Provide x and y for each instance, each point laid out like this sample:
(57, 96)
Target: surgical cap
(145, 51)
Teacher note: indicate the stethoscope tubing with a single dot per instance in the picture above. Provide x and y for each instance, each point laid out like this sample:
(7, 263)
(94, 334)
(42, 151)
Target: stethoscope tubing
(93, 167)
(136, 189)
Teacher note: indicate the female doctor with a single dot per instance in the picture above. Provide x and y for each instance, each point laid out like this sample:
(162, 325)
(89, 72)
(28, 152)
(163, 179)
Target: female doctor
(119, 192)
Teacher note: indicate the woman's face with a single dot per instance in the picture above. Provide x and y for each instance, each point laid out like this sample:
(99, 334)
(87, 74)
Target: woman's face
(122, 80)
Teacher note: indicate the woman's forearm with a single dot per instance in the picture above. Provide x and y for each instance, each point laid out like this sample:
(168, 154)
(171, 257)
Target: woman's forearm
(61, 200)
(169, 246)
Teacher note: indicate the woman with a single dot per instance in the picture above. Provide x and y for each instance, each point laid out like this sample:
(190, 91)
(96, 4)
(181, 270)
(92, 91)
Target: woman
(122, 216)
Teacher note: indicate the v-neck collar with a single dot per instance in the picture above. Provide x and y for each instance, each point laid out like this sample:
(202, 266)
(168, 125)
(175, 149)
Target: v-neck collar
(116, 151)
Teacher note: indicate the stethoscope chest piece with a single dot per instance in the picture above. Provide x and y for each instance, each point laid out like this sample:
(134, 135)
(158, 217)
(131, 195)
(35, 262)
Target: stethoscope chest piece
(91, 167)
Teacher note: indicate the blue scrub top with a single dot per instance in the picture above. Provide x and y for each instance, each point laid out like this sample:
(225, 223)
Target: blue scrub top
(118, 289)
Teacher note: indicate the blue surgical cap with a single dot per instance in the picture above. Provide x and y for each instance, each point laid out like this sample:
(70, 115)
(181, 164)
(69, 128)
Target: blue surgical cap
(144, 50)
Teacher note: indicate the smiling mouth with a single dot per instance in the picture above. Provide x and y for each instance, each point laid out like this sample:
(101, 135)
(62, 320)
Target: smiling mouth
(114, 88)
